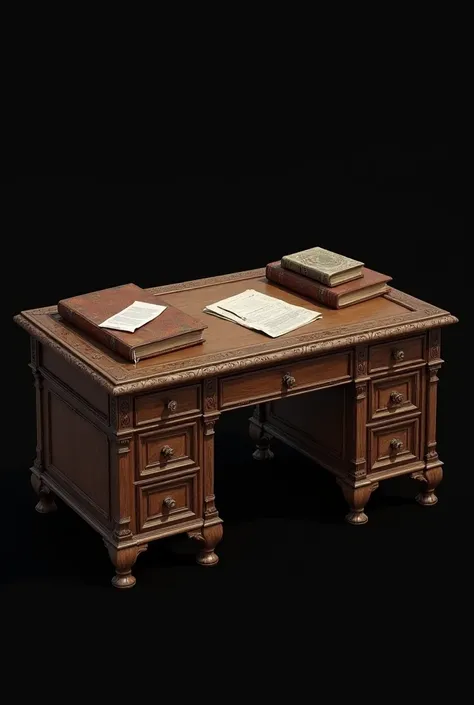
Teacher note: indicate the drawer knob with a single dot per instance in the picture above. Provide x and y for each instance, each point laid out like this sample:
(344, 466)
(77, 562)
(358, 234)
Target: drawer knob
(172, 405)
(398, 355)
(396, 397)
(396, 444)
(289, 381)
(167, 451)
(169, 502)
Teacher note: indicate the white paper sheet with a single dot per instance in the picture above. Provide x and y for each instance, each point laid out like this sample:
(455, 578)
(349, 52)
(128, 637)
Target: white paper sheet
(258, 311)
(133, 317)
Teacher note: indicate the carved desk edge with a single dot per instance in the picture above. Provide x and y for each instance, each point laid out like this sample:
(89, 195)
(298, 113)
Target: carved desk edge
(422, 316)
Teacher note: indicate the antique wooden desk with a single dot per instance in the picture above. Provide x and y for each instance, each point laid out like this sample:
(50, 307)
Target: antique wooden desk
(131, 447)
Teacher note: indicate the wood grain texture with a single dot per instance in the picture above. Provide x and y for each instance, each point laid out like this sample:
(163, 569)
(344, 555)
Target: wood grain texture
(131, 448)
(228, 347)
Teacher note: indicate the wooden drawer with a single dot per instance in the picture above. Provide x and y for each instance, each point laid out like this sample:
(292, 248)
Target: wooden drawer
(169, 502)
(397, 354)
(167, 404)
(283, 381)
(173, 448)
(390, 446)
(394, 395)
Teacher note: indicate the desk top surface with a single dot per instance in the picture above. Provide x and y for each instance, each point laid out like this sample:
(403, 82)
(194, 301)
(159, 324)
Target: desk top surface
(230, 348)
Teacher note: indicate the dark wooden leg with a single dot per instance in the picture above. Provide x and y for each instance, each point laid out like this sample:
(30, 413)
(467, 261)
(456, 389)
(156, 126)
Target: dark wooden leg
(46, 503)
(208, 539)
(430, 479)
(212, 531)
(357, 498)
(258, 434)
(123, 560)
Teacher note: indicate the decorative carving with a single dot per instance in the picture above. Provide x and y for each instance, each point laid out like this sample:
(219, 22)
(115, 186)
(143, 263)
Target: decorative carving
(209, 424)
(124, 412)
(113, 412)
(431, 455)
(210, 394)
(289, 381)
(431, 477)
(120, 377)
(361, 391)
(433, 371)
(122, 528)
(123, 560)
(357, 498)
(361, 369)
(46, 503)
(435, 344)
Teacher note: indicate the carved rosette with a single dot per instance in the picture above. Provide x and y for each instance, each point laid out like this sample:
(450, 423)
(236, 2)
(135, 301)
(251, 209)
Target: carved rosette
(124, 412)
(210, 394)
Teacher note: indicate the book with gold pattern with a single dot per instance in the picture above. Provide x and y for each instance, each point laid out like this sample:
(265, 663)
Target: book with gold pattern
(325, 266)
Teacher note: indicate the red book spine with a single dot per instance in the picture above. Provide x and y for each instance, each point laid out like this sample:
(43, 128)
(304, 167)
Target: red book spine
(301, 285)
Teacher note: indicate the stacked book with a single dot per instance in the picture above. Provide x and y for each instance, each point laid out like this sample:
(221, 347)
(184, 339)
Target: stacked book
(131, 322)
(327, 277)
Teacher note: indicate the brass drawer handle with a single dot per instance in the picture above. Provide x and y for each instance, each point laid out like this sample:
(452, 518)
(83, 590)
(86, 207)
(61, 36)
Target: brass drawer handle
(396, 444)
(398, 355)
(396, 397)
(169, 502)
(289, 381)
(167, 451)
(172, 405)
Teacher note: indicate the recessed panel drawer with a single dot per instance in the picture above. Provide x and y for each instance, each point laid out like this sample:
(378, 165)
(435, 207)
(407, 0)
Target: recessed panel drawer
(173, 448)
(397, 354)
(395, 395)
(167, 404)
(393, 445)
(167, 503)
(252, 387)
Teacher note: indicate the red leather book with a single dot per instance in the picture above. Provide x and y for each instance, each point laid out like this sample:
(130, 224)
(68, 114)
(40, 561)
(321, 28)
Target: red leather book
(171, 330)
(370, 285)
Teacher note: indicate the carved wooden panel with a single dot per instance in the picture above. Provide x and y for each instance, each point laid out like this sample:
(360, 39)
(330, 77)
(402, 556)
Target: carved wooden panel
(81, 384)
(395, 395)
(169, 502)
(395, 444)
(252, 387)
(397, 354)
(77, 454)
(167, 404)
(173, 448)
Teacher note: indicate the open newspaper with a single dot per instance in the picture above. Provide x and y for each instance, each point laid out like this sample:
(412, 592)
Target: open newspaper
(258, 311)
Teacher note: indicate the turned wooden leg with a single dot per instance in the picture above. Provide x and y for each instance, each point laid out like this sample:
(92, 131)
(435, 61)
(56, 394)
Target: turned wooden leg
(357, 498)
(430, 479)
(208, 539)
(123, 560)
(46, 503)
(261, 438)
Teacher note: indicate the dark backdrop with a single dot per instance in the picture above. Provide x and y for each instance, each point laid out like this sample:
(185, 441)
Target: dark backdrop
(399, 208)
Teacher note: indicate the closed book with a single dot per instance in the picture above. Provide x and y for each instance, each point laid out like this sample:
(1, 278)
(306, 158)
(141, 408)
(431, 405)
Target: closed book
(368, 286)
(327, 267)
(171, 330)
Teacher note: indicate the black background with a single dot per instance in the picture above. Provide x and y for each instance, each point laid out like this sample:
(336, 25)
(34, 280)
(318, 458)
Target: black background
(401, 209)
